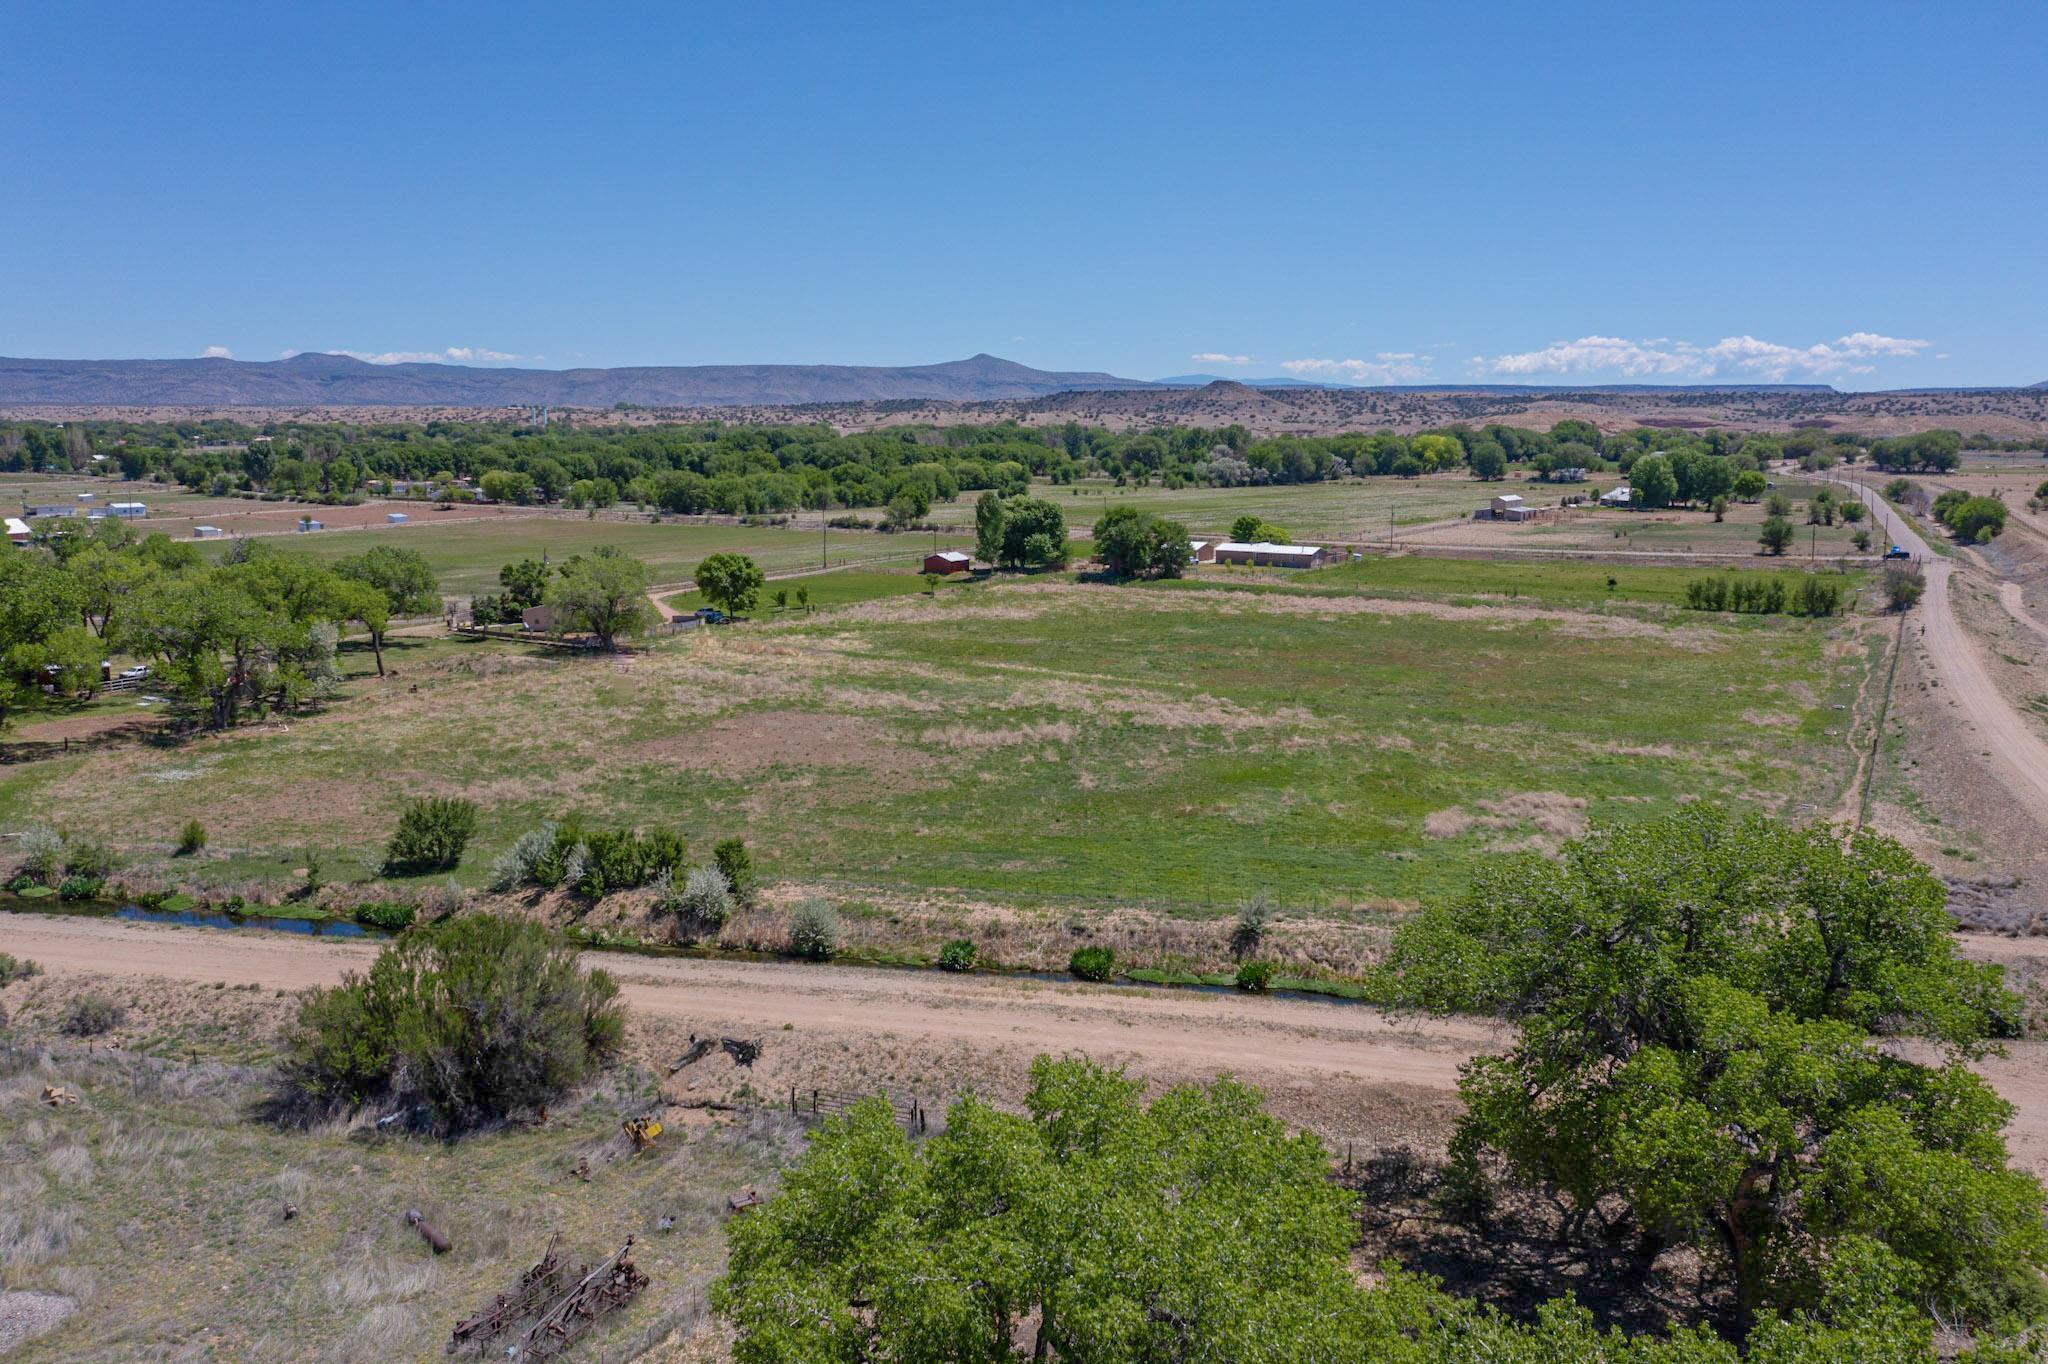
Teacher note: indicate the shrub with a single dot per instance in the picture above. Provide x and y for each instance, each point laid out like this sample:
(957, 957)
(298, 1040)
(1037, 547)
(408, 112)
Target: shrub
(42, 856)
(87, 860)
(1255, 977)
(14, 968)
(704, 904)
(93, 1014)
(1250, 931)
(1092, 963)
(737, 863)
(468, 1021)
(1903, 584)
(386, 914)
(1818, 596)
(814, 930)
(958, 955)
(81, 888)
(192, 839)
(521, 862)
(431, 834)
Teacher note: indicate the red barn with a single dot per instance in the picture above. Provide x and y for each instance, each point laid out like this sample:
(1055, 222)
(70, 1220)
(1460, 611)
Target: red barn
(948, 561)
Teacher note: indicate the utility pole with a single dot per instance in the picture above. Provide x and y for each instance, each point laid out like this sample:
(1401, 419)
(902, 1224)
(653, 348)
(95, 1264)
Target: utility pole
(823, 561)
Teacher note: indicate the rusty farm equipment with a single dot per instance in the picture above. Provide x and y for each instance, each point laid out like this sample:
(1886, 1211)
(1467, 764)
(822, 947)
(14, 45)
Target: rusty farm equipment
(598, 1294)
(643, 1130)
(538, 1286)
(429, 1233)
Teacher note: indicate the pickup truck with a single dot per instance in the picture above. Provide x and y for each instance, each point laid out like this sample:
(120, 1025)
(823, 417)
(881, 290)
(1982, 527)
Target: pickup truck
(1896, 553)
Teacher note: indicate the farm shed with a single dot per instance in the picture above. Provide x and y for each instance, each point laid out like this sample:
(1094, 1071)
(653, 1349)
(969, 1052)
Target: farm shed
(948, 561)
(1264, 554)
(539, 619)
(1618, 497)
(1202, 552)
(17, 530)
(207, 532)
(60, 509)
(130, 511)
(308, 523)
(395, 518)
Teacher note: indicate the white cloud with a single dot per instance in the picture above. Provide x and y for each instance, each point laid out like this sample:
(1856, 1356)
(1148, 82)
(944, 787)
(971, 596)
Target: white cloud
(1387, 367)
(453, 355)
(1217, 357)
(1739, 357)
(216, 353)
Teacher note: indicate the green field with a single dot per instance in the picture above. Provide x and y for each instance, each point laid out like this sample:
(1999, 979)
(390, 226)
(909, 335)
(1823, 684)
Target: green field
(840, 587)
(466, 556)
(1049, 743)
(1350, 510)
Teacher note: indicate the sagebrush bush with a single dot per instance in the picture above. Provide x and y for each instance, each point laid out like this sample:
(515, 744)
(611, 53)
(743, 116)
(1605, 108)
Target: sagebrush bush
(14, 968)
(1092, 963)
(1250, 929)
(703, 904)
(469, 1021)
(42, 855)
(1255, 977)
(192, 839)
(93, 1014)
(431, 834)
(814, 930)
(958, 955)
(521, 862)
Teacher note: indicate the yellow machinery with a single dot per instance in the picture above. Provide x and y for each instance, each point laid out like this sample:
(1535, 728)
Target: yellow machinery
(643, 1130)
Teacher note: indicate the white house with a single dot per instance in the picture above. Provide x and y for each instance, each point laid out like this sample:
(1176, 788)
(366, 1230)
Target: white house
(130, 511)
(1268, 555)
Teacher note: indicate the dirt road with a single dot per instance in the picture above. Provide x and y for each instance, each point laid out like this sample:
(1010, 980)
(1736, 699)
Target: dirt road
(1344, 1069)
(1183, 1031)
(2015, 754)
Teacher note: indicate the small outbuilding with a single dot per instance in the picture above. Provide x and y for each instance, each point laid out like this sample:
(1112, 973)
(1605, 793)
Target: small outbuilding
(18, 532)
(1617, 497)
(128, 511)
(395, 518)
(308, 523)
(1202, 551)
(948, 561)
(207, 532)
(1265, 554)
(541, 620)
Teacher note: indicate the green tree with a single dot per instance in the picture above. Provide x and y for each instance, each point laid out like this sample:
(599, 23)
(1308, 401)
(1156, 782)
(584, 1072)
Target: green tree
(730, 582)
(1654, 483)
(401, 584)
(1749, 485)
(1135, 544)
(605, 593)
(38, 602)
(1696, 999)
(1488, 462)
(1245, 529)
(1034, 534)
(1775, 535)
(988, 527)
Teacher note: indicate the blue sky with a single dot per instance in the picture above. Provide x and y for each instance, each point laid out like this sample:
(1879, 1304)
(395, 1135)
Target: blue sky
(1543, 193)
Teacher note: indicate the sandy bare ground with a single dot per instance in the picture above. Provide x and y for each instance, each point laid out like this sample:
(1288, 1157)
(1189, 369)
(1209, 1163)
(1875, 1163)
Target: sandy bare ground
(1344, 1053)
(2015, 755)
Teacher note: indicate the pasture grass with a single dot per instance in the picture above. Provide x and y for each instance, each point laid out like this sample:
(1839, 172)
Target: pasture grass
(1053, 744)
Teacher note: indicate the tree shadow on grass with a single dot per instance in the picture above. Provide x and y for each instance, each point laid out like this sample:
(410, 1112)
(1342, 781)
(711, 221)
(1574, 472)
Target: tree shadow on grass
(1528, 1251)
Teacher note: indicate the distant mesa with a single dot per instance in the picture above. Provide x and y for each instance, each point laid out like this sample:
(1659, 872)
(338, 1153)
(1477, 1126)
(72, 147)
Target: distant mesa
(315, 378)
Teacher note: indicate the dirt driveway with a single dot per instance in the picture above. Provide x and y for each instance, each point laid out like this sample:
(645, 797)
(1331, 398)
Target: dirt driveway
(2014, 754)
(1345, 1070)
